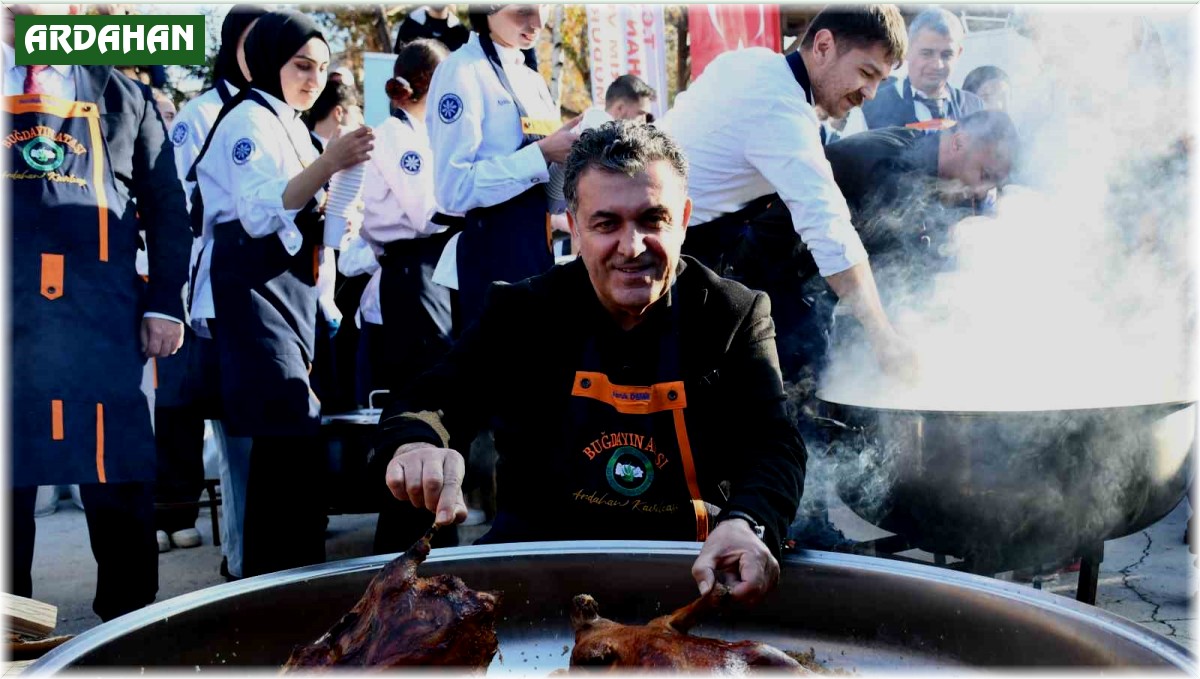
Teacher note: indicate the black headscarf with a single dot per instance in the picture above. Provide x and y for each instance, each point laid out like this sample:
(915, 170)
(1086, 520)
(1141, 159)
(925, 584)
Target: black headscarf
(236, 21)
(272, 42)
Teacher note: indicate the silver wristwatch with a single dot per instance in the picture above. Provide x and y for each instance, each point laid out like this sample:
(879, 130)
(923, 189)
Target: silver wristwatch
(755, 526)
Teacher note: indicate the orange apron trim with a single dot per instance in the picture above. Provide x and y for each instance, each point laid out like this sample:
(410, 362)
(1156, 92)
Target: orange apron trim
(52, 275)
(689, 473)
(98, 181)
(934, 124)
(549, 234)
(656, 398)
(62, 108)
(154, 371)
(630, 400)
(100, 442)
(56, 420)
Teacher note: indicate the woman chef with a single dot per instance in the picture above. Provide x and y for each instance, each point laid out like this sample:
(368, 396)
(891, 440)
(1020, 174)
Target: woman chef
(494, 130)
(261, 179)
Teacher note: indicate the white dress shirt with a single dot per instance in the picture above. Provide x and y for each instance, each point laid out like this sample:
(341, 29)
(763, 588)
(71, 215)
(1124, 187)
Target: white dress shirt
(57, 81)
(748, 131)
(398, 185)
(252, 157)
(475, 130)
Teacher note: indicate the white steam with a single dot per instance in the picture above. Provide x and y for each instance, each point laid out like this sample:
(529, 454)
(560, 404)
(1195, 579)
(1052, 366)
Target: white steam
(1078, 293)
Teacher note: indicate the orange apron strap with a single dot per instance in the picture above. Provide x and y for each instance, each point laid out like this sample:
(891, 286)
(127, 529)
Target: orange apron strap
(56, 420)
(100, 443)
(154, 371)
(689, 472)
(98, 181)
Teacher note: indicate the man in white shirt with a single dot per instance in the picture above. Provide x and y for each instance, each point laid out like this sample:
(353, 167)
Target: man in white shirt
(772, 144)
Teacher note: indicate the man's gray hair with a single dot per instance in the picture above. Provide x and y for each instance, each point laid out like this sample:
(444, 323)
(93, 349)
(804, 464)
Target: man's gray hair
(620, 146)
(940, 20)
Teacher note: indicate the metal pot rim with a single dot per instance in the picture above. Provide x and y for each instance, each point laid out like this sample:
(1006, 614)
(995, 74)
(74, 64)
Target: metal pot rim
(1108, 410)
(60, 658)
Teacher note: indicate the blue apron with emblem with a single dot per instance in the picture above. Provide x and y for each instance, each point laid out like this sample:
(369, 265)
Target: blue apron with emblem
(506, 242)
(627, 472)
(265, 329)
(78, 413)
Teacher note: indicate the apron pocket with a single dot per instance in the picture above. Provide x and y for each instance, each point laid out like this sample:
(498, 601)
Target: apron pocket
(52, 276)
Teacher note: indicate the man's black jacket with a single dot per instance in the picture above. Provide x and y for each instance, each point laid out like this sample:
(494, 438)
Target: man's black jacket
(514, 371)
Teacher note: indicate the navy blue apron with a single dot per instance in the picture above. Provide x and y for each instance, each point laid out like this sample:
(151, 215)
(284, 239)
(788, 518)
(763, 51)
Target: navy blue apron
(627, 471)
(79, 415)
(506, 242)
(265, 330)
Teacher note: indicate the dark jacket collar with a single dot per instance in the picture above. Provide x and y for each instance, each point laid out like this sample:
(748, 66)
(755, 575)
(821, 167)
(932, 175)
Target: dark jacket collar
(800, 72)
(923, 154)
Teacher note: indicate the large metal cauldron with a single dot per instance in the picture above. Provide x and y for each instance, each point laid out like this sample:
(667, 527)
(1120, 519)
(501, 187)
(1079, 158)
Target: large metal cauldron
(1009, 489)
(856, 612)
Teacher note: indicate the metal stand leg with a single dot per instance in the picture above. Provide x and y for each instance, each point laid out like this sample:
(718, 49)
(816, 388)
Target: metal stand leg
(1089, 575)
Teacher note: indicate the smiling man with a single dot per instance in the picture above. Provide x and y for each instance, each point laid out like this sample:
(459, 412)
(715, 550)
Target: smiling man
(925, 99)
(631, 391)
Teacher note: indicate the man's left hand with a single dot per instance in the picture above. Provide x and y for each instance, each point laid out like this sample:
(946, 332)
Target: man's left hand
(739, 559)
(161, 337)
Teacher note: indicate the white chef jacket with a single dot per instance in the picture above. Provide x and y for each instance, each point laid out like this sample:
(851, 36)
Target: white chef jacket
(475, 130)
(252, 157)
(192, 125)
(398, 185)
(748, 131)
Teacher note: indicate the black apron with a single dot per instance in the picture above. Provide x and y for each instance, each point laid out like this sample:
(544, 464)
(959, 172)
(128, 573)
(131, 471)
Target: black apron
(265, 329)
(79, 415)
(627, 471)
(510, 241)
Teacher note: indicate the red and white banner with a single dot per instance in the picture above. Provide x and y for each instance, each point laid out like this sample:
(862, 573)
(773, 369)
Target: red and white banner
(713, 29)
(628, 39)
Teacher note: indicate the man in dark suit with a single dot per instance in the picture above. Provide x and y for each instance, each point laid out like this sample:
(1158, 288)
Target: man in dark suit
(86, 142)
(924, 99)
(630, 391)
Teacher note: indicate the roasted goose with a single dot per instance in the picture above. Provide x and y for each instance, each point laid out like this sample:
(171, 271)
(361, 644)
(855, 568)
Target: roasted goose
(664, 643)
(404, 620)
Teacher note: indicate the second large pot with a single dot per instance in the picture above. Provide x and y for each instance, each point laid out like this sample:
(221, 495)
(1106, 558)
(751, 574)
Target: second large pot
(1009, 489)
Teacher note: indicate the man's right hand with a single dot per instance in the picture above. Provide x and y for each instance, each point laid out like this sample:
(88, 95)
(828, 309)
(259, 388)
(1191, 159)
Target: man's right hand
(896, 356)
(430, 478)
(557, 146)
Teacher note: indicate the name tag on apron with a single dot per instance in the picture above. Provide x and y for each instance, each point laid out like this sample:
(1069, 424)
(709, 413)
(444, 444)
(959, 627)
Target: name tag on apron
(542, 126)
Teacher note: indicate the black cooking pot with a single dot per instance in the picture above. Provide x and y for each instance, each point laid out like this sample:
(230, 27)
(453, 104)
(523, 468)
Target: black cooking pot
(1008, 489)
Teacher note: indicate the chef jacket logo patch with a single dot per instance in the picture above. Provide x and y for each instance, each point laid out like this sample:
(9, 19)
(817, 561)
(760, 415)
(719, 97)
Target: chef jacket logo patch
(411, 162)
(179, 133)
(44, 154)
(629, 471)
(450, 107)
(242, 150)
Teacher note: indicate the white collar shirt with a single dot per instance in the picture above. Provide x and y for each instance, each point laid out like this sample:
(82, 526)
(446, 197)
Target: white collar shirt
(475, 129)
(398, 185)
(253, 155)
(748, 131)
(56, 81)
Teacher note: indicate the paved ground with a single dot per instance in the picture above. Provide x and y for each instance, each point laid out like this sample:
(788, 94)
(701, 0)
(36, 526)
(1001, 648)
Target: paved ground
(1148, 577)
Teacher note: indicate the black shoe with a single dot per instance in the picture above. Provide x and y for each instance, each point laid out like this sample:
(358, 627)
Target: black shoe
(229, 577)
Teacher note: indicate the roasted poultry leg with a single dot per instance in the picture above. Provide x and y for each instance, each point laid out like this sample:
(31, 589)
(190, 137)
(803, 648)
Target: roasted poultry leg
(404, 620)
(664, 642)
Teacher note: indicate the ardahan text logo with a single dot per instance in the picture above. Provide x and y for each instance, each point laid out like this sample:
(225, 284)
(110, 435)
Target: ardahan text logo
(109, 40)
